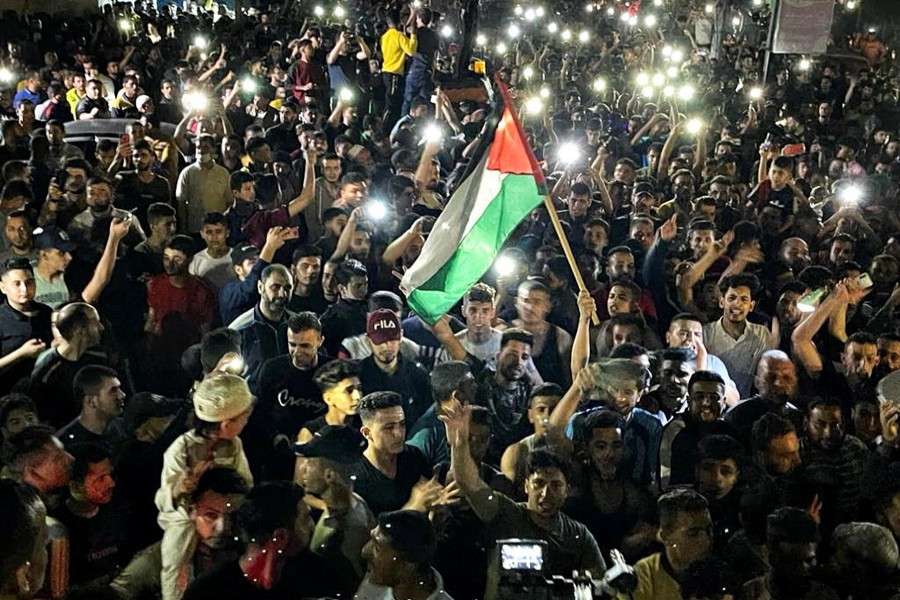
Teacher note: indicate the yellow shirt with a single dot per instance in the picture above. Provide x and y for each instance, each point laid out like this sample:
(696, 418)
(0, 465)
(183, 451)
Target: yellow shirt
(395, 47)
(72, 98)
(654, 581)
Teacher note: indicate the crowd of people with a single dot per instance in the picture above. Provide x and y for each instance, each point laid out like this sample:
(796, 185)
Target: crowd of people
(213, 386)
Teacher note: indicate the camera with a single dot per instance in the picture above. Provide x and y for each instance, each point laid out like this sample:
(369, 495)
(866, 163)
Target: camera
(517, 572)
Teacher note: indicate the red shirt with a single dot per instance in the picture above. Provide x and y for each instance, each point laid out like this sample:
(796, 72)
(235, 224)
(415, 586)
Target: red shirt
(302, 73)
(192, 305)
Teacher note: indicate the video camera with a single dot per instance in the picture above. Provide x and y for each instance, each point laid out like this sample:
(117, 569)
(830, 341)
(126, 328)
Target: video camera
(518, 570)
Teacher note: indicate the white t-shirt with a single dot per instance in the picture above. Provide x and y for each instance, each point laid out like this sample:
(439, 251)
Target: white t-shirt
(52, 294)
(216, 271)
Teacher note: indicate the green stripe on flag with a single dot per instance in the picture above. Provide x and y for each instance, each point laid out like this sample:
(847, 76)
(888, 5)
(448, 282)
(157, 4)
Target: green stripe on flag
(435, 297)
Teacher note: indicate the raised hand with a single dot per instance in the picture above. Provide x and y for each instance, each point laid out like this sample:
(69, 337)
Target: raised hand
(456, 422)
(669, 229)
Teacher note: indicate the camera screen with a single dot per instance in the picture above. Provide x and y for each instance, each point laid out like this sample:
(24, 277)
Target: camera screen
(521, 557)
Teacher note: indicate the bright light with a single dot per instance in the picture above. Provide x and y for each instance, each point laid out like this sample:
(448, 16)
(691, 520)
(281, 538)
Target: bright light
(736, 21)
(518, 10)
(124, 24)
(677, 56)
(851, 5)
(642, 79)
(417, 3)
(584, 36)
(501, 48)
(599, 85)
(569, 153)
(513, 31)
(566, 35)
(195, 101)
(589, 7)
(6, 76)
(534, 106)
(657, 2)
(505, 266)
(433, 133)
(850, 194)
(345, 95)
(447, 31)
(694, 126)
(528, 72)
(757, 2)
(544, 92)
(610, 11)
(667, 51)
(376, 210)
(672, 72)
(552, 27)
(709, 8)
(658, 79)
(248, 84)
(625, 16)
(648, 92)
(481, 39)
(669, 91)
(319, 11)
(201, 42)
(339, 12)
(686, 92)
(530, 15)
(633, 20)
(755, 93)
(805, 64)
(650, 20)
(539, 11)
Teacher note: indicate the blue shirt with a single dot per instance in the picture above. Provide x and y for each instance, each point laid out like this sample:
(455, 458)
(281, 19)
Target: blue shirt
(237, 297)
(26, 94)
(429, 436)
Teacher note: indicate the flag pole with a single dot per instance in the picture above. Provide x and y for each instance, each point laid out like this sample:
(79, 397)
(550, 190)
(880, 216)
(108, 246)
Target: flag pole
(567, 250)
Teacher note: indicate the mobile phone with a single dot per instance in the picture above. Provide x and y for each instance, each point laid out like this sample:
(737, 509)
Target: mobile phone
(793, 150)
(124, 139)
(864, 281)
(292, 234)
(122, 215)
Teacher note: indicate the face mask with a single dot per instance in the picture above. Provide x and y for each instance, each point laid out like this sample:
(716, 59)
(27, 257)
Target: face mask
(99, 208)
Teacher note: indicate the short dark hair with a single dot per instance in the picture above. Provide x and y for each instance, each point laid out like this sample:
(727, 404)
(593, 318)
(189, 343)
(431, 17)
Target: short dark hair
(748, 280)
(17, 189)
(239, 178)
(767, 428)
(628, 350)
(822, 402)
(384, 299)
(372, 403)
(220, 480)
(269, 506)
(305, 250)
(544, 458)
(579, 188)
(349, 269)
(862, 338)
(214, 218)
(603, 418)
(88, 380)
(158, 211)
(334, 372)
(676, 502)
(73, 318)
(141, 145)
(304, 321)
(707, 377)
(86, 454)
(254, 144)
(783, 162)
(275, 268)
(411, 536)
(217, 343)
(546, 389)
(480, 292)
(445, 378)
(792, 525)
(14, 401)
(720, 447)
(516, 334)
(184, 244)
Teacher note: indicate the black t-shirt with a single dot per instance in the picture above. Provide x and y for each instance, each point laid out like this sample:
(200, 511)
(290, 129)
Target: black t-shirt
(99, 546)
(288, 395)
(134, 194)
(16, 328)
(408, 380)
(383, 494)
(315, 302)
(304, 576)
(51, 384)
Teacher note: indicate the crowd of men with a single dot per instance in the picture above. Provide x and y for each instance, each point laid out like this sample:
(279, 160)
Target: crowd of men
(213, 386)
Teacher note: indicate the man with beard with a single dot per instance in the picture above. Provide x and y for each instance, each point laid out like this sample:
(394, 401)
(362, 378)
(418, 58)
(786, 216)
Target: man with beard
(263, 328)
(287, 396)
(675, 368)
(776, 386)
(833, 461)
(791, 539)
(137, 190)
(202, 187)
(858, 359)
(326, 466)
(504, 387)
(24, 324)
(306, 269)
(79, 331)
(94, 390)
(776, 448)
(794, 252)
(346, 317)
(19, 237)
(739, 343)
(60, 151)
(98, 529)
(788, 313)
(570, 546)
(65, 199)
(387, 370)
(682, 203)
(678, 450)
(99, 207)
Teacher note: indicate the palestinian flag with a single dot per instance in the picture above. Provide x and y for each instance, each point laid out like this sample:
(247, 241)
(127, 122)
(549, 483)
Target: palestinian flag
(503, 185)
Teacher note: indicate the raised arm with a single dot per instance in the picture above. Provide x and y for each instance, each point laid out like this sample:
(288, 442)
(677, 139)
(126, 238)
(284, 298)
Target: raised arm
(802, 346)
(299, 204)
(566, 407)
(465, 471)
(396, 248)
(581, 344)
(118, 229)
(343, 243)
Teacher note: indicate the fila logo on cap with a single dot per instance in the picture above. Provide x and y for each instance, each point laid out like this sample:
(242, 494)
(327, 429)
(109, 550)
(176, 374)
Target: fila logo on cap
(384, 325)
